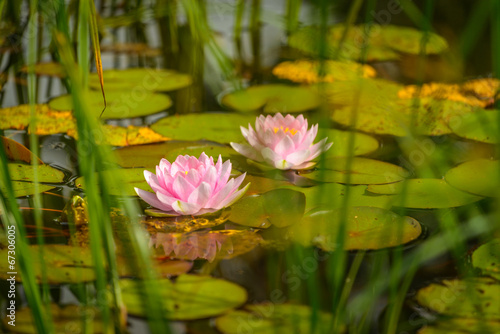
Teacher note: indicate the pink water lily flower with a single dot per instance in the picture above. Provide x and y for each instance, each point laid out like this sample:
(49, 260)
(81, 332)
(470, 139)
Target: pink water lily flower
(282, 142)
(191, 186)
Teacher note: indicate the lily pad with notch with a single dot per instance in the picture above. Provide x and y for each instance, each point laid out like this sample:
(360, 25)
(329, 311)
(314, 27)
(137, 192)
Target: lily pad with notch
(367, 228)
(273, 98)
(424, 194)
(189, 297)
(120, 104)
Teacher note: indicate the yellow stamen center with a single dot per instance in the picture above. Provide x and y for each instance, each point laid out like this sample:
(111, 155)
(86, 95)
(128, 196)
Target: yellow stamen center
(286, 130)
(186, 172)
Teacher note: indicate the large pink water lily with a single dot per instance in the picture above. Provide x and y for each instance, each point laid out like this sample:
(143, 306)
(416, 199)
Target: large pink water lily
(191, 186)
(282, 142)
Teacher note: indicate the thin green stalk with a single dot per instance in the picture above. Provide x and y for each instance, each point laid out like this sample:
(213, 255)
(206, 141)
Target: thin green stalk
(238, 23)
(475, 27)
(351, 19)
(255, 31)
(292, 15)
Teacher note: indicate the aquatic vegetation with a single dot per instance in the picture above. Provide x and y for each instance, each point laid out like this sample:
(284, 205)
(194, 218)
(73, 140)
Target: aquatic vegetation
(305, 71)
(282, 142)
(487, 258)
(192, 186)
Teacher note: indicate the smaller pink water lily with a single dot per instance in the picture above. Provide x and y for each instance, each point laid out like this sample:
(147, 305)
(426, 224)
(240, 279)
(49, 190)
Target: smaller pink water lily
(191, 186)
(282, 142)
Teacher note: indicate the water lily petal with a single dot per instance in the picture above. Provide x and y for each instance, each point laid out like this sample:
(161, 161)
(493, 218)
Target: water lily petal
(152, 200)
(185, 208)
(201, 194)
(182, 188)
(247, 151)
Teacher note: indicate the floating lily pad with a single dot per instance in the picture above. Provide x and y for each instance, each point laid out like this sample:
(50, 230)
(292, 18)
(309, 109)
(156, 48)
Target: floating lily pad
(396, 117)
(22, 189)
(22, 177)
(425, 194)
(140, 79)
(147, 155)
(487, 258)
(279, 207)
(366, 228)
(273, 99)
(332, 196)
(120, 104)
(305, 71)
(472, 298)
(48, 120)
(26, 173)
(218, 127)
(17, 152)
(128, 177)
(362, 171)
(273, 318)
(363, 144)
(189, 297)
(51, 69)
(386, 42)
(209, 245)
(479, 126)
(70, 264)
(479, 177)
(462, 326)
(64, 318)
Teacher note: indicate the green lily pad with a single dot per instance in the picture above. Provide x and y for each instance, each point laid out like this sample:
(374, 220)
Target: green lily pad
(209, 245)
(141, 79)
(425, 194)
(273, 99)
(147, 156)
(218, 127)
(130, 177)
(386, 42)
(472, 298)
(366, 228)
(26, 173)
(64, 318)
(363, 144)
(189, 297)
(479, 126)
(396, 117)
(69, 264)
(120, 104)
(22, 177)
(479, 177)
(462, 326)
(487, 258)
(272, 318)
(279, 207)
(362, 171)
(51, 69)
(332, 196)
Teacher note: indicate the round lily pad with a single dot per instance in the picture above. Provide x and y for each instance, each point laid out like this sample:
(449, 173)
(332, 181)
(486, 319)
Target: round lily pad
(366, 228)
(363, 144)
(140, 79)
(386, 42)
(471, 298)
(332, 196)
(462, 326)
(362, 171)
(279, 207)
(272, 318)
(49, 68)
(22, 177)
(479, 177)
(218, 127)
(69, 264)
(425, 194)
(146, 155)
(129, 177)
(189, 297)
(479, 126)
(305, 71)
(46, 173)
(64, 318)
(120, 104)
(487, 258)
(273, 99)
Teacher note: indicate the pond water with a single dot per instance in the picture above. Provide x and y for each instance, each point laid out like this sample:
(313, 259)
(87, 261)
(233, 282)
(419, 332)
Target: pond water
(382, 218)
